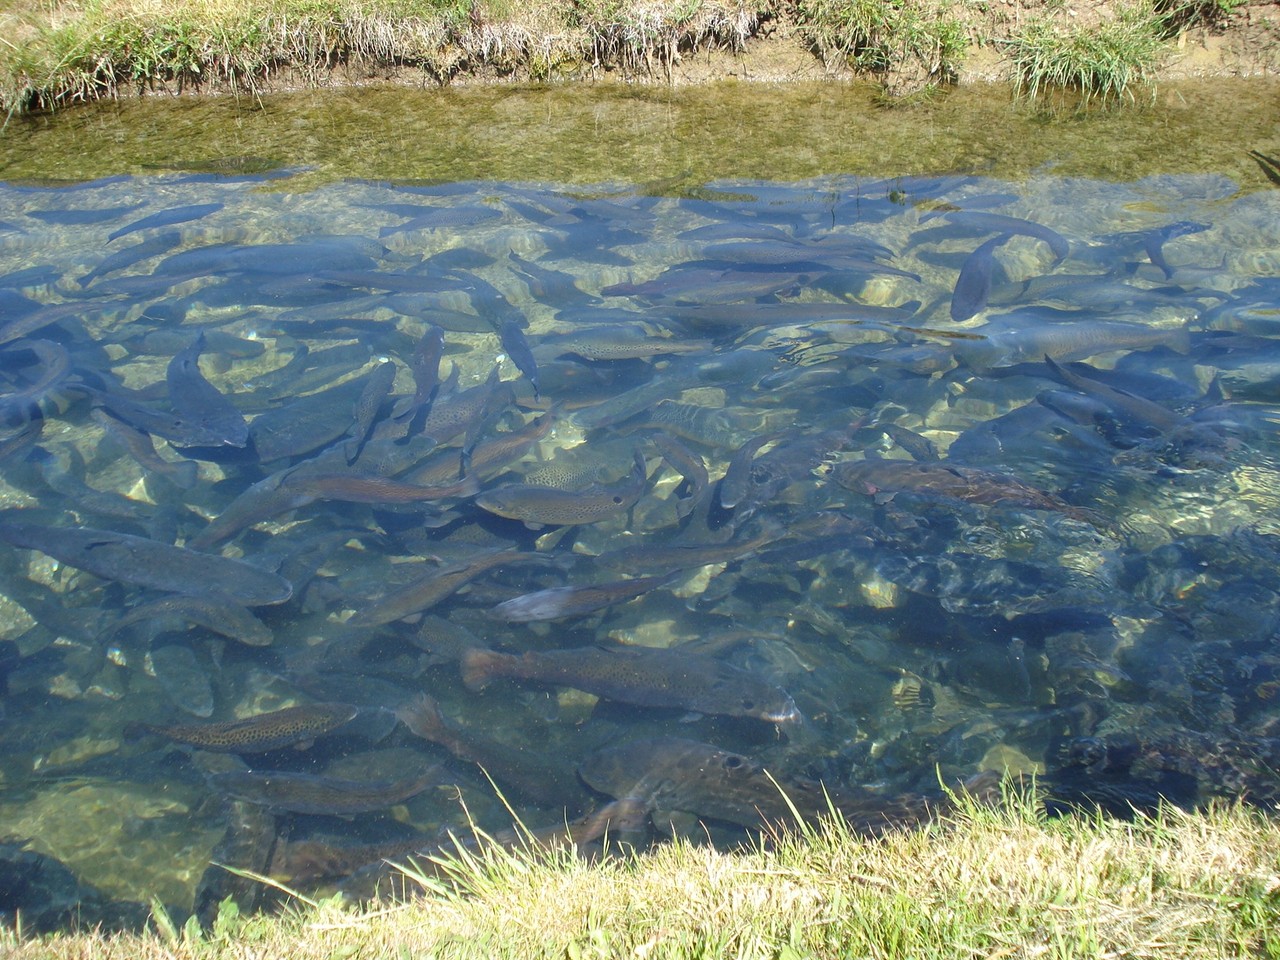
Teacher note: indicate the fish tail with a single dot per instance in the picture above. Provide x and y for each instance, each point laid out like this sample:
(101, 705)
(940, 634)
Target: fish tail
(479, 667)
(423, 717)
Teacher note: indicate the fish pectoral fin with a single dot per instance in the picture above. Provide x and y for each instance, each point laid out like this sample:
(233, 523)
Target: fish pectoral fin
(691, 717)
(881, 497)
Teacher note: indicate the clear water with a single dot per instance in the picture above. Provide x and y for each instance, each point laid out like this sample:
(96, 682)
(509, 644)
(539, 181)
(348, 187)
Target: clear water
(1077, 578)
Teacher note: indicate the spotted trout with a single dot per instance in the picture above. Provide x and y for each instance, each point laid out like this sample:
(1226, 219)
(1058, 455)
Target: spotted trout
(265, 732)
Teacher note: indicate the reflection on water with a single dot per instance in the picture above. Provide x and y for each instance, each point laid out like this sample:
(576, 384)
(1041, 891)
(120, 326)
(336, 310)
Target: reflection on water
(318, 501)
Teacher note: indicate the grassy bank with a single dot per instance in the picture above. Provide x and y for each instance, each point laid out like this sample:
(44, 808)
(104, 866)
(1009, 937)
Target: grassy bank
(55, 52)
(987, 883)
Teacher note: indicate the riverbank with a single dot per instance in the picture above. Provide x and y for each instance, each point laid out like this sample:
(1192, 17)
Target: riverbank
(68, 51)
(990, 882)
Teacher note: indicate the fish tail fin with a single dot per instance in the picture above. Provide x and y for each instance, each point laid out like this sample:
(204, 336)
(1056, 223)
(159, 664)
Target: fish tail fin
(478, 667)
(1180, 341)
(422, 716)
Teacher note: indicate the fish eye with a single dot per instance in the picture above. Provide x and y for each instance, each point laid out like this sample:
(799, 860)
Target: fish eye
(617, 499)
(748, 704)
(732, 763)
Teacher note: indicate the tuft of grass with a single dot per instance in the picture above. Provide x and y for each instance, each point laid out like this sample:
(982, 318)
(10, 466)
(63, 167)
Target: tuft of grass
(887, 36)
(1178, 15)
(1105, 62)
(644, 34)
(987, 880)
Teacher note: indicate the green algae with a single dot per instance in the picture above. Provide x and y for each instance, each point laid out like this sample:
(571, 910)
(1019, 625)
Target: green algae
(677, 139)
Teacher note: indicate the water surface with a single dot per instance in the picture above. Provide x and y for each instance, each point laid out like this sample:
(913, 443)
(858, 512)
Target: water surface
(989, 441)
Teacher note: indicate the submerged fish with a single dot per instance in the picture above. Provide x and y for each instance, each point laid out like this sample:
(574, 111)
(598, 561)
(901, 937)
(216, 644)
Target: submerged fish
(543, 779)
(312, 794)
(221, 614)
(557, 603)
(197, 403)
(147, 563)
(538, 506)
(426, 592)
(670, 775)
(167, 218)
(183, 677)
(883, 479)
(644, 676)
(973, 286)
(259, 734)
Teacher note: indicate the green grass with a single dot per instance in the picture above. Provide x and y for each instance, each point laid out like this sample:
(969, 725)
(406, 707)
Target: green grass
(880, 36)
(1106, 62)
(986, 882)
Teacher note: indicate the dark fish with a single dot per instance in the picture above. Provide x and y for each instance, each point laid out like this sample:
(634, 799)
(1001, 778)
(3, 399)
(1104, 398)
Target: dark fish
(248, 846)
(710, 426)
(1012, 338)
(546, 779)
(736, 482)
(311, 794)
(167, 218)
(883, 479)
(670, 775)
(920, 448)
(300, 486)
(70, 217)
(376, 388)
(220, 614)
(539, 506)
(183, 677)
(182, 474)
(1156, 240)
(425, 593)
(671, 556)
(355, 488)
(513, 341)
(557, 603)
(53, 366)
(161, 243)
(62, 469)
(973, 286)
(455, 413)
(267, 498)
(616, 342)
(1136, 412)
(199, 404)
(688, 464)
(165, 342)
(1001, 223)
(644, 676)
(487, 458)
(306, 424)
(147, 563)
(258, 734)
(23, 436)
(425, 366)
